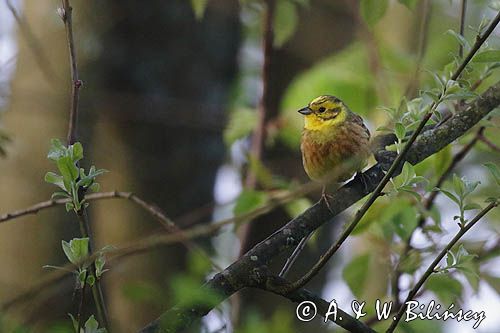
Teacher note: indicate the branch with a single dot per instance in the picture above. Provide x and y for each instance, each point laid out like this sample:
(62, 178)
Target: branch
(151, 208)
(263, 112)
(463, 10)
(347, 322)
(433, 265)
(237, 275)
(429, 202)
(66, 13)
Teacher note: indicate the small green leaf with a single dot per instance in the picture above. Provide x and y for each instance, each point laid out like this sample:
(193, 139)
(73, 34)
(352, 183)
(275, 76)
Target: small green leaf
(56, 150)
(80, 278)
(472, 206)
(373, 10)
(458, 186)
(92, 326)
(94, 187)
(76, 250)
(53, 178)
(74, 321)
(460, 39)
(494, 170)
(90, 280)
(69, 206)
(451, 196)
(487, 56)
(77, 151)
(400, 131)
(446, 288)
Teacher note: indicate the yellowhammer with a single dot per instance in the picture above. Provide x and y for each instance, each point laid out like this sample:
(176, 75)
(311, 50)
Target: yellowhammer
(335, 141)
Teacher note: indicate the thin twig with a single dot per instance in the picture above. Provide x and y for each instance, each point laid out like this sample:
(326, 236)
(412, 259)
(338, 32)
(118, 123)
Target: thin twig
(295, 254)
(80, 305)
(463, 10)
(152, 209)
(67, 17)
(490, 144)
(428, 203)
(342, 318)
(392, 170)
(76, 83)
(433, 265)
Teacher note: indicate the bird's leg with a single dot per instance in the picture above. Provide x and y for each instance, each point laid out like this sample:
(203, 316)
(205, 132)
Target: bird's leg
(326, 198)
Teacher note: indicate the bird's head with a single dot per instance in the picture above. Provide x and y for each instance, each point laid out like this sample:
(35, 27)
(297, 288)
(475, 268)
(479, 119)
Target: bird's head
(324, 111)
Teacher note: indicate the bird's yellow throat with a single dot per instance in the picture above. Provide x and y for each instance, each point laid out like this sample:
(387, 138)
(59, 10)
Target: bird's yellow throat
(314, 123)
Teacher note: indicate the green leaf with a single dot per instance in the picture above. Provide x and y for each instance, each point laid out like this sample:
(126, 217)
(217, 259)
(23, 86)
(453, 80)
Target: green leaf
(53, 178)
(451, 196)
(99, 266)
(90, 280)
(356, 273)
(77, 152)
(76, 250)
(56, 150)
(410, 4)
(285, 22)
(199, 7)
(74, 321)
(400, 131)
(460, 39)
(69, 206)
(446, 288)
(249, 200)
(373, 10)
(458, 186)
(472, 206)
(241, 123)
(68, 169)
(94, 187)
(494, 170)
(487, 56)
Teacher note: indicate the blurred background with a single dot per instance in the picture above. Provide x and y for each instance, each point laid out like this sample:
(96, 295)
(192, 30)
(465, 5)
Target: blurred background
(170, 97)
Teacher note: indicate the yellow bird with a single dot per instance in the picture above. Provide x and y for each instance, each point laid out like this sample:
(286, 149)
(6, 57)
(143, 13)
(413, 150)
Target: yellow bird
(335, 141)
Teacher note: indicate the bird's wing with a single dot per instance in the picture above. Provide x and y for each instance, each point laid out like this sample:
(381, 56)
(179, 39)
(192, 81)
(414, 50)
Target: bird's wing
(358, 120)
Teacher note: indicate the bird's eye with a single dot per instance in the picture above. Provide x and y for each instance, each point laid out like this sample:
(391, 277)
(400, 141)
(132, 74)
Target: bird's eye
(322, 109)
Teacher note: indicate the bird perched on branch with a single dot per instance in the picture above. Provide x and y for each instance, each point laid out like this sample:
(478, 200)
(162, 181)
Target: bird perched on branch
(335, 142)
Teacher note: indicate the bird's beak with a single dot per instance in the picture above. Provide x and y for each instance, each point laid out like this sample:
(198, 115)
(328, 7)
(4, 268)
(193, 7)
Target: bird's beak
(305, 111)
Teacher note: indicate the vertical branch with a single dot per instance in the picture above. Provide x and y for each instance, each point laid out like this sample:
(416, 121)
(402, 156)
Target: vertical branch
(463, 10)
(67, 17)
(66, 13)
(263, 112)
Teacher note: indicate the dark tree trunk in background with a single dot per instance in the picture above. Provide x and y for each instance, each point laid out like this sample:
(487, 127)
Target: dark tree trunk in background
(158, 83)
(321, 18)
